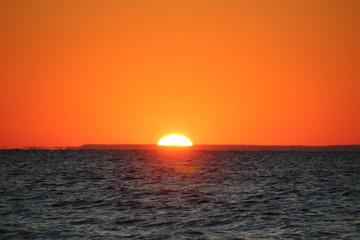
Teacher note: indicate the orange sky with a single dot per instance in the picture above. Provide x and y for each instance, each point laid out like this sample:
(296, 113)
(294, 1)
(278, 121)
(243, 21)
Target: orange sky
(218, 71)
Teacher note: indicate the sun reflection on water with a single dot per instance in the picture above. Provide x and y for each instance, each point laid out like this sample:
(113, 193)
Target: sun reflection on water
(180, 160)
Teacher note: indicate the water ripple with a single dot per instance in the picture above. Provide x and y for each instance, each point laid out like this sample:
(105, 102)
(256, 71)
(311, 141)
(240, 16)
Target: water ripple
(179, 195)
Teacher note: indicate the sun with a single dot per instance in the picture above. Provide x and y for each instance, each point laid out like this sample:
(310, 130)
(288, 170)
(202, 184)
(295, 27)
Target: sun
(174, 140)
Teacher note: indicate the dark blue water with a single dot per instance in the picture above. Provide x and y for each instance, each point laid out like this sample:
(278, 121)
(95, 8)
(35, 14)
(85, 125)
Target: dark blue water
(179, 195)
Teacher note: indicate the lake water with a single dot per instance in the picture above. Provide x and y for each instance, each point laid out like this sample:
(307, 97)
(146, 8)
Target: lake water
(68, 194)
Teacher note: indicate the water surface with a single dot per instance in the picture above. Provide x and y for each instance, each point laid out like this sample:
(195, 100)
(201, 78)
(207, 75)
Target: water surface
(179, 194)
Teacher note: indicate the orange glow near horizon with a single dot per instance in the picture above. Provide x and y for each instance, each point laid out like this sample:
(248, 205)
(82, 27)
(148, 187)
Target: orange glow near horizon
(225, 72)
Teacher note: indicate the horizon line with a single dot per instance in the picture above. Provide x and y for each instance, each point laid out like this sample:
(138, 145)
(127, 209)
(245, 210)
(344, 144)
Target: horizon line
(245, 147)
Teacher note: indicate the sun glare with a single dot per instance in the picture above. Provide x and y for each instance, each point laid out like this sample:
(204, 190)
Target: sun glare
(174, 140)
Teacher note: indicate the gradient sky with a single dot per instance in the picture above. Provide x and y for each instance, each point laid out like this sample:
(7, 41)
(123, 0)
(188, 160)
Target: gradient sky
(218, 71)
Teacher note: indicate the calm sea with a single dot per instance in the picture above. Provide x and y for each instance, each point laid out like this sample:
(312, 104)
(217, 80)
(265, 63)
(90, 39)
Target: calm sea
(69, 194)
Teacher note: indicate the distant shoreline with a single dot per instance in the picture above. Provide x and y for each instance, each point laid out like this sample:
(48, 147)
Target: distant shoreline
(208, 147)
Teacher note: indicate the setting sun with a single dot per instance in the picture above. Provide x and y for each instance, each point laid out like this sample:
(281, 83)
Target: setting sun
(175, 140)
